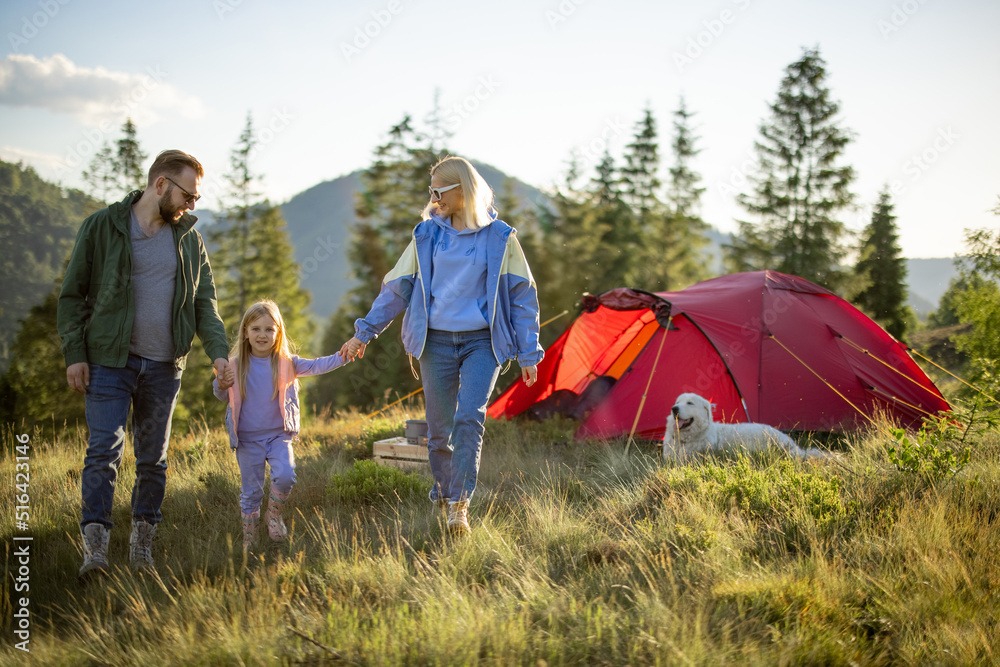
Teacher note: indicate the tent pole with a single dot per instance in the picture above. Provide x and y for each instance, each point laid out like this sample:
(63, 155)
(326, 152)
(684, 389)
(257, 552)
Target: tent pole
(902, 374)
(642, 402)
(553, 318)
(971, 386)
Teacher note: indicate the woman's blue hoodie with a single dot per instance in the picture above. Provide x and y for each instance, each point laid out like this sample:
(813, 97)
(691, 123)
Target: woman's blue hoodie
(511, 296)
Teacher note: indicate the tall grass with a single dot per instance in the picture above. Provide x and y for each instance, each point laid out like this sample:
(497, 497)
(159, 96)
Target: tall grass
(581, 553)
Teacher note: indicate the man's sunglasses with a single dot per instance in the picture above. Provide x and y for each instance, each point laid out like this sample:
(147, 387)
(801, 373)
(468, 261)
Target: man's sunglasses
(188, 197)
(436, 192)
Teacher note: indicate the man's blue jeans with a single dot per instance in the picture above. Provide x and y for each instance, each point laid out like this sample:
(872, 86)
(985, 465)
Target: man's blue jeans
(459, 371)
(150, 389)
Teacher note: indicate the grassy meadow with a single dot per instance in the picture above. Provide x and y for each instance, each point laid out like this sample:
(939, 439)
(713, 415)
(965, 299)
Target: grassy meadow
(581, 553)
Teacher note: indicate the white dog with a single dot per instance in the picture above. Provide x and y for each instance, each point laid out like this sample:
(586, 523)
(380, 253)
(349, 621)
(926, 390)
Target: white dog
(691, 430)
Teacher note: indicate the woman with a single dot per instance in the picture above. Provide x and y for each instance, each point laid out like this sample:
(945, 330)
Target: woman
(470, 305)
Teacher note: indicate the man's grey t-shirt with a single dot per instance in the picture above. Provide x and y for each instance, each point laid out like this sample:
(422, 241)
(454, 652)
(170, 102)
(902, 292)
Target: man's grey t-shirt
(154, 272)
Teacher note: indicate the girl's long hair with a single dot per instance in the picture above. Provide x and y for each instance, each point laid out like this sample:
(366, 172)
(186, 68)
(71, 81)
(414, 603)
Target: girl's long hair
(478, 206)
(283, 346)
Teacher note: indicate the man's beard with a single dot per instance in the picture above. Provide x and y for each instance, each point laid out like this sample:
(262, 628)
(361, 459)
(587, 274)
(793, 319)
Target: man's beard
(169, 215)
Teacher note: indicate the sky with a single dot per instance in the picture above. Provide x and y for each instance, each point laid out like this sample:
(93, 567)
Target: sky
(522, 85)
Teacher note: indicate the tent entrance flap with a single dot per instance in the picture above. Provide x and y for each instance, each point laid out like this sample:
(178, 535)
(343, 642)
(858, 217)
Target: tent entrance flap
(688, 363)
(632, 351)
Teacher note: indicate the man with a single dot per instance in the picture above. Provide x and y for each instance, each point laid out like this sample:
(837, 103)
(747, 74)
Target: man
(138, 288)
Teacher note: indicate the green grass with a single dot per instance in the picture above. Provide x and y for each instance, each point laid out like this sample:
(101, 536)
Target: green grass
(581, 553)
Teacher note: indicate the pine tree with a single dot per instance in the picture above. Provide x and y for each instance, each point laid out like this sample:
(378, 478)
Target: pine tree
(799, 187)
(639, 183)
(640, 180)
(231, 235)
(534, 239)
(394, 192)
(883, 270)
(610, 234)
(677, 260)
(253, 260)
(129, 158)
(33, 390)
(437, 134)
(102, 176)
(576, 262)
(979, 304)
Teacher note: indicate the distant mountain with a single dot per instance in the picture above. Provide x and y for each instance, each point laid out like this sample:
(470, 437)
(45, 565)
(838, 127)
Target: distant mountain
(320, 220)
(928, 281)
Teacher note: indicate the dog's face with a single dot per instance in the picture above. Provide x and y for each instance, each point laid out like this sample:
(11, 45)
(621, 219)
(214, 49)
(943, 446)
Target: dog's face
(689, 420)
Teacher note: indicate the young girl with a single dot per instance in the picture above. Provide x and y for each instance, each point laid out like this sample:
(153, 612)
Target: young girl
(263, 414)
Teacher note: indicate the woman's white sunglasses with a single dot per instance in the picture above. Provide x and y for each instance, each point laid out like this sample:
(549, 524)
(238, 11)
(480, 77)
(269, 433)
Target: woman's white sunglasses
(436, 192)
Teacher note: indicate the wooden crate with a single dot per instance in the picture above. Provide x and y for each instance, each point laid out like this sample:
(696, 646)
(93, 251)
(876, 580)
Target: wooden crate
(397, 452)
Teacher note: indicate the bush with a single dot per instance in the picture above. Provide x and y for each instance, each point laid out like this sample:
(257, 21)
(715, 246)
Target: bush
(369, 483)
(924, 455)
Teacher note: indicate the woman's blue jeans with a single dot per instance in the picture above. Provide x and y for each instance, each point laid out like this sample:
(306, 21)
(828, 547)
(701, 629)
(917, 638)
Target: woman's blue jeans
(459, 371)
(150, 389)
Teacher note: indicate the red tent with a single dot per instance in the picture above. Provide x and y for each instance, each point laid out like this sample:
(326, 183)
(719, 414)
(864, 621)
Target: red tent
(763, 346)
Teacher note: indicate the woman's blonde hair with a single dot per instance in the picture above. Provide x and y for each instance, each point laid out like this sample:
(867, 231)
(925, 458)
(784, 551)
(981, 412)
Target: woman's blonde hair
(478, 207)
(283, 346)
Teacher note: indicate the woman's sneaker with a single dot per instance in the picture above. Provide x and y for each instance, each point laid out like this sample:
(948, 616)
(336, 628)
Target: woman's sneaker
(458, 517)
(440, 510)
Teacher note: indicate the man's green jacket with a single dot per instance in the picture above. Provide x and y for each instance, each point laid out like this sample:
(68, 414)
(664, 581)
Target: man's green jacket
(97, 305)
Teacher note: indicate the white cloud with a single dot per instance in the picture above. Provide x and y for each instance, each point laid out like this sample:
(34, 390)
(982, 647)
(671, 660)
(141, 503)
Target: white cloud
(92, 95)
(15, 154)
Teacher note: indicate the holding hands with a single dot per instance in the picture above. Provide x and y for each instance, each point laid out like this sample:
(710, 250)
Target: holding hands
(225, 373)
(353, 348)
